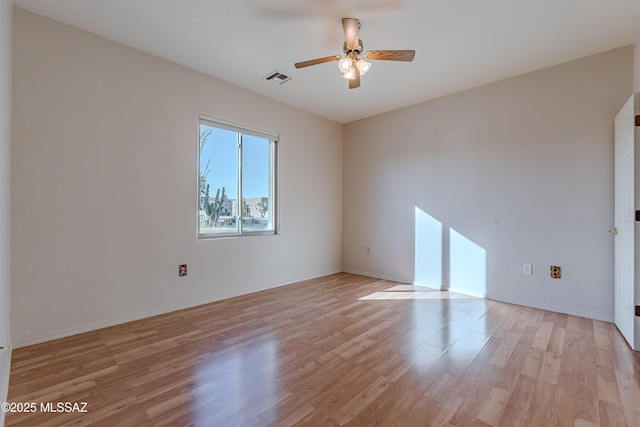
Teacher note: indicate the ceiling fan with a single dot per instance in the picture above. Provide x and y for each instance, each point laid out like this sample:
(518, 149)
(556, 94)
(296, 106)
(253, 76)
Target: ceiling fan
(352, 64)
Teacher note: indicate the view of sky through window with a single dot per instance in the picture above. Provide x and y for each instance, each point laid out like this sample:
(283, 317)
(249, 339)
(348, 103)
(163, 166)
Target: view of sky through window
(235, 194)
(220, 150)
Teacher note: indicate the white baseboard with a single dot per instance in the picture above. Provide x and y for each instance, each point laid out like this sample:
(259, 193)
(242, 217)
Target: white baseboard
(428, 285)
(562, 310)
(63, 333)
(376, 276)
(31, 340)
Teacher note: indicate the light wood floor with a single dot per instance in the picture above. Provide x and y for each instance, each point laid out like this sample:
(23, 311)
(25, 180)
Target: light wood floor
(338, 350)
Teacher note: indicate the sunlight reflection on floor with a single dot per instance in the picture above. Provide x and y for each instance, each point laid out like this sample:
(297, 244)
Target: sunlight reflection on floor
(412, 292)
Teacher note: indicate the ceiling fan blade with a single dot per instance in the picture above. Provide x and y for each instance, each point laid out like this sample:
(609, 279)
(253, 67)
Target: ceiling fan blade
(351, 28)
(317, 61)
(355, 82)
(391, 55)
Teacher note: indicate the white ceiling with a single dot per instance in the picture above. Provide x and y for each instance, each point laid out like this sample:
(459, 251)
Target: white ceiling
(459, 43)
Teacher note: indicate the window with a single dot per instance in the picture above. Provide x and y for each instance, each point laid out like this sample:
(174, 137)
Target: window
(237, 180)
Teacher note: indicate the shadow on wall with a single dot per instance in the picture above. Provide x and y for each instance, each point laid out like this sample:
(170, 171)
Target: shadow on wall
(467, 261)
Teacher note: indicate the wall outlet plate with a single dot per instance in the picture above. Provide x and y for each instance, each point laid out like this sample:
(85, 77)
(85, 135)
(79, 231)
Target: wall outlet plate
(182, 270)
(527, 269)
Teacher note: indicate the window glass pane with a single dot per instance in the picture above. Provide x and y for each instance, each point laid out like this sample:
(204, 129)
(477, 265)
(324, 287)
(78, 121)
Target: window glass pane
(218, 181)
(236, 195)
(256, 185)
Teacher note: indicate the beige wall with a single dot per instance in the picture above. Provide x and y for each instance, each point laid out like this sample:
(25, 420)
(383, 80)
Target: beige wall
(104, 186)
(5, 229)
(636, 64)
(523, 168)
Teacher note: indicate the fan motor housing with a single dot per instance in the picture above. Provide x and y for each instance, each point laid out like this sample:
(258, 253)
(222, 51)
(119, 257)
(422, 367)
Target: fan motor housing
(356, 49)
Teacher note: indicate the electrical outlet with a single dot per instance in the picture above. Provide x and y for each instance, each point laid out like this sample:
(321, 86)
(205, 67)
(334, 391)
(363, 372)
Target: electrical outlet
(527, 269)
(182, 270)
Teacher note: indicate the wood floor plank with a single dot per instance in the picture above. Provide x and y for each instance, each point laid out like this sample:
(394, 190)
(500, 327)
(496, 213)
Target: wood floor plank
(532, 363)
(611, 415)
(629, 388)
(509, 342)
(494, 406)
(543, 334)
(632, 416)
(550, 368)
(337, 350)
(565, 406)
(587, 394)
(608, 386)
(540, 410)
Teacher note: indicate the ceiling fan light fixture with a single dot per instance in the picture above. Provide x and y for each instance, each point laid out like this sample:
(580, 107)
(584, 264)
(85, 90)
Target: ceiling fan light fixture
(353, 64)
(345, 64)
(363, 66)
(351, 74)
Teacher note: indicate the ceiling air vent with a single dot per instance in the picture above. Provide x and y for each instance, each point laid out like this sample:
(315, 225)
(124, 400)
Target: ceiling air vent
(277, 77)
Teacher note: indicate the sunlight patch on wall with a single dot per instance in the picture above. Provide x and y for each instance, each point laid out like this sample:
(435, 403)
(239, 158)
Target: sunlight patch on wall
(467, 265)
(428, 250)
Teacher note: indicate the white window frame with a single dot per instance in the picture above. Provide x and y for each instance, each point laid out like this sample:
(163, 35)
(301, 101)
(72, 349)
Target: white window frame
(241, 129)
